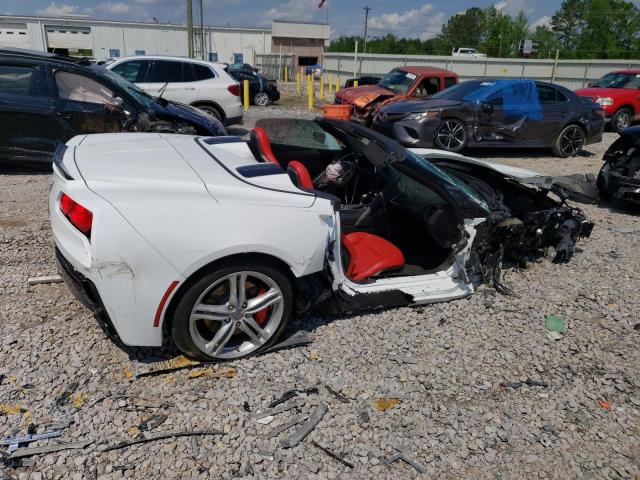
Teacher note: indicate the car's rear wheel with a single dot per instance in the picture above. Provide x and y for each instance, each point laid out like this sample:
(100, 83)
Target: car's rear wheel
(261, 99)
(621, 119)
(211, 110)
(233, 312)
(452, 135)
(569, 142)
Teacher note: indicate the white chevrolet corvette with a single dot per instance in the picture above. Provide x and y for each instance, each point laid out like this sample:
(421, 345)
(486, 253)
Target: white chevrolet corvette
(214, 243)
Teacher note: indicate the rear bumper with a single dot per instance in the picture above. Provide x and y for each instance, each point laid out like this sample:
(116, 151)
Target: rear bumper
(86, 292)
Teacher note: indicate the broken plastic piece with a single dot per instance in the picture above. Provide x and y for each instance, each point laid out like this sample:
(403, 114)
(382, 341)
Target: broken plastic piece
(162, 437)
(382, 404)
(269, 412)
(306, 429)
(44, 280)
(15, 442)
(285, 426)
(335, 456)
(407, 459)
(164, 366)
(555, 327)
(604, 404)
(28, 452)
(340, 397)
(298, 339)
(152, 422)
(66, 395)
(288, 395)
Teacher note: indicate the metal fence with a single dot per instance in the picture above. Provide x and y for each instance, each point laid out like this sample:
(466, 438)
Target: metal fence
(570, 73)
(274, 65)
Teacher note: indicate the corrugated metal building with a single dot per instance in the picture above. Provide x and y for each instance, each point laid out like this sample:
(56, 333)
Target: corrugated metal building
(104, 39)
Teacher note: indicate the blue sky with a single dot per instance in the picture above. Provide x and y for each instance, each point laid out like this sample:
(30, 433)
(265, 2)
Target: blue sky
(407, 18)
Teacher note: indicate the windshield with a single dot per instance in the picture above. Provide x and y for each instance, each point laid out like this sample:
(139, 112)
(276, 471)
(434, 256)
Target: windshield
(461, 90)
(619, 80)
(130, 89)
(454, 184)
(398, 81)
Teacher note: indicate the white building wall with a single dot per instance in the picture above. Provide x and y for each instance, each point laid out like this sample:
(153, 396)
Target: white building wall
(128, 39)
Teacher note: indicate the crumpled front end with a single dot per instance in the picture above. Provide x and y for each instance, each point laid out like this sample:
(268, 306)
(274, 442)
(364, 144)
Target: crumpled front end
(619, 177)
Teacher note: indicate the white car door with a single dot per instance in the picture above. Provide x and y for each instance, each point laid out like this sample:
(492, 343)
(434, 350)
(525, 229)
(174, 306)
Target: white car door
(178, 78)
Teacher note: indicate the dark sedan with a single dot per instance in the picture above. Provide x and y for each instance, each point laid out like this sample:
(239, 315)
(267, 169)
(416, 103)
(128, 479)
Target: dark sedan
(262, 90)
(496, 113)
(47, 99)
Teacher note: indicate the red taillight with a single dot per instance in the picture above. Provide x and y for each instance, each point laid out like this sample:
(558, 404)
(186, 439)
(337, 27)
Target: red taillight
(80, 217)
(234, 90)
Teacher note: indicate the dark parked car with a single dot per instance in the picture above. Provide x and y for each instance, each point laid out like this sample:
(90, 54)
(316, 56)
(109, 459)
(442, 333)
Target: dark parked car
(262, 90)
(496, 113)
(46, 99)
(618, 178)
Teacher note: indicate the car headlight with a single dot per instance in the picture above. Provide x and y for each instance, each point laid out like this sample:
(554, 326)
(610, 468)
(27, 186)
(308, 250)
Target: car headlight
(422, 115)
(604, 101)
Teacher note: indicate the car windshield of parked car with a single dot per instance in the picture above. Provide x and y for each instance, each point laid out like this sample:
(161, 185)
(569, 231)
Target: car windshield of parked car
(454, 185)
(129, 88)
(619, 80)
(398, 81)
(461, 90)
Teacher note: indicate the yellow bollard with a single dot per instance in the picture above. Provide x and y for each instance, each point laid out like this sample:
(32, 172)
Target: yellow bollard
(337, 84)
(298, 83)
(286, 74)
(310, 92)
(246, 95)
(355, 83)
(322, 87)
(331, 84)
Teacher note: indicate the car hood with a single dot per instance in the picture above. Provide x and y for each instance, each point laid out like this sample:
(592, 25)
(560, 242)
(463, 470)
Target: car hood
(363, 96)
(175, 110)
(410, 106)
(597, 92)
(580, 188)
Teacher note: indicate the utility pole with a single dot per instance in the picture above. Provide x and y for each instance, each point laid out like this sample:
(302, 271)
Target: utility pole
(366, 9)
(202, 43)
(190, 27)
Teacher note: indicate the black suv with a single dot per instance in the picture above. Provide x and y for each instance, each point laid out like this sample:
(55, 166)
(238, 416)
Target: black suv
(46, 99)
(262, 90)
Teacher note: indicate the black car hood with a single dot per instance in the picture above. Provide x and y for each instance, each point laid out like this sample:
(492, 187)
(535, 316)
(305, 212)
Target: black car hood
(411, 106)
(178, 111)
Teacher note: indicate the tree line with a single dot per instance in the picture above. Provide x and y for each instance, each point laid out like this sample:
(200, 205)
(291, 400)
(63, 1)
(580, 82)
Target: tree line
(580, 29)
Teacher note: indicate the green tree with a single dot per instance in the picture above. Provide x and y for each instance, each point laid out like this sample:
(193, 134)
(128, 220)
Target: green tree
(547, 40)
(568, 21)
(463, 30)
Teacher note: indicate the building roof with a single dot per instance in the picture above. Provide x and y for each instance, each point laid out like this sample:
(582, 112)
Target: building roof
(90, 21)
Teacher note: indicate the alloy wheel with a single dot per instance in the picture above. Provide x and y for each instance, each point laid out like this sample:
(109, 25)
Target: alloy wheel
(623, 120)
(236, 315)
(451, 135)
(572, 141)
(261, 99)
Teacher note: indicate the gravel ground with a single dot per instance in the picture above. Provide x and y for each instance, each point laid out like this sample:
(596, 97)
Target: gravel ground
(442, 383)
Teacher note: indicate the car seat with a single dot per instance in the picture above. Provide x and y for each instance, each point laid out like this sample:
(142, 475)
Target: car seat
(261, 146)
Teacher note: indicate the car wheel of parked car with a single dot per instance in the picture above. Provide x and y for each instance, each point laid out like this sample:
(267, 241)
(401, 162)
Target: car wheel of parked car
(569, 142)
(261, 99)
(233, 312)
(452, 135)
(213, 111)
(621, 119)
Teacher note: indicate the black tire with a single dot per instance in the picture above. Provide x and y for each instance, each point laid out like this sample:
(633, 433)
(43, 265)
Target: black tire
(211, 110)
(261, 99)
(621, 120)
(569, 141)
(184, 329)
(452, 135)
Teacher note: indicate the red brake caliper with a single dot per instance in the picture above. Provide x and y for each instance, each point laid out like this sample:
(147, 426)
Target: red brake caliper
(261, 316)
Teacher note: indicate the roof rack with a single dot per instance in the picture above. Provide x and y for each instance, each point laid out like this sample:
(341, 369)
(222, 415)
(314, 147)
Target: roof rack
(22, 52)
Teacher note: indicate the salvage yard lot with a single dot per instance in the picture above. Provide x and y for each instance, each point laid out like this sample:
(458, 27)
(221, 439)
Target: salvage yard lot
(472, 388)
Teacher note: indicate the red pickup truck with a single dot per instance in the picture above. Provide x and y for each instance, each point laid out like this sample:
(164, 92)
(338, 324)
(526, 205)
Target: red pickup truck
(619, 95)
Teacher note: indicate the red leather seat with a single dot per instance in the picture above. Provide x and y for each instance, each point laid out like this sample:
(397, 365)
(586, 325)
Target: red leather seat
(369, 255)
(299, 175)
(260, 139)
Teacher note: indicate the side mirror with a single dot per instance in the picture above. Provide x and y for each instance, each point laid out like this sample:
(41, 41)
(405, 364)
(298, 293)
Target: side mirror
(486, 107)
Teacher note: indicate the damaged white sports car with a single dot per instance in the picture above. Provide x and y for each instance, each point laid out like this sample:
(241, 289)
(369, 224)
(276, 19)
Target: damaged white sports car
(214, 243)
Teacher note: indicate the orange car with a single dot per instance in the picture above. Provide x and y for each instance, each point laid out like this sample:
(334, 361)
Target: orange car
(401, 83)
